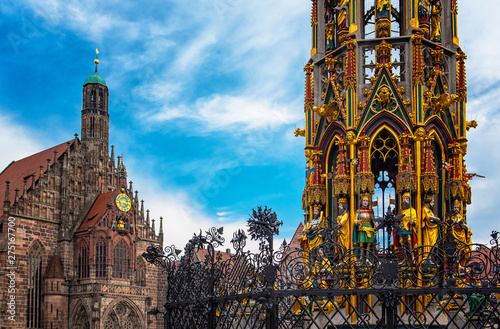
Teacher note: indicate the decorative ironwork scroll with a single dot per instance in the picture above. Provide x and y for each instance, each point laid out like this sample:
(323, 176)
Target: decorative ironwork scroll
(451, 284)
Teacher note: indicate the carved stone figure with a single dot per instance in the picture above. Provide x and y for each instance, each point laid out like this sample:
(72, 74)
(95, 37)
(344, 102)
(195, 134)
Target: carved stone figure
(406, 235)
(313, 227)
(384, 97)
(436, 21)
(430, 224)
(424, 17)
(342, 23)
(342, 14)
(459, 229)
(343, 219)
(383, 8)
(365, 226)
(330, 23)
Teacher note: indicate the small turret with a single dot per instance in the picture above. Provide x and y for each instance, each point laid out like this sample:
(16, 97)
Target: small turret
(25, 189)
(161, 229)
(6, 202)
(112, 159)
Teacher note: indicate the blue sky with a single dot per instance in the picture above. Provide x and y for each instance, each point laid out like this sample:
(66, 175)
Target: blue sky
(204, 98)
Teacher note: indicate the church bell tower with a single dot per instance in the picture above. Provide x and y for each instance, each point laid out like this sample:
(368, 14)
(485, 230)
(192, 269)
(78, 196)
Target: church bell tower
(95, 116)
(95, 133)
(385, 107)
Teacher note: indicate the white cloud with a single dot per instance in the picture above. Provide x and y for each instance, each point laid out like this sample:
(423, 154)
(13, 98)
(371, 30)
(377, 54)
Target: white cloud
(200, 39)
(192, 55)
(482, 159)
(17, 143)
(88, 19)
(183, 215)
(235, 114)
(478, 32)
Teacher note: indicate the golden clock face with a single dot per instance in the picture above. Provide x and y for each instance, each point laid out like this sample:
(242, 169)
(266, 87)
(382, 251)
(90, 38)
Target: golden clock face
(123, 202)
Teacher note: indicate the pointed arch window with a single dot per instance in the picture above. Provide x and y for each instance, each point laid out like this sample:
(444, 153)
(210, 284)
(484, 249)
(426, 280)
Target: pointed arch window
(100, 103)
(92, 98)
(141, 272)
(122, 261)
(83, 261)
(100, 258)
(384, 165)
(92, 124)
(34, 315)
(369, 18)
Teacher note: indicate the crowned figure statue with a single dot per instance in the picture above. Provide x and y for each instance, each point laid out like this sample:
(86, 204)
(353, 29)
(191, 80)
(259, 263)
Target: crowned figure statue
(364, 231)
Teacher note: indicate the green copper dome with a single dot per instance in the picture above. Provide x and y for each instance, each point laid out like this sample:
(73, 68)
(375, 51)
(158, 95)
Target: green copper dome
(95, 78)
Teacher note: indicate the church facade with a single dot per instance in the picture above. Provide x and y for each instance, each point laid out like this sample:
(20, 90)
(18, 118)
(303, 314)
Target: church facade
(72, 232)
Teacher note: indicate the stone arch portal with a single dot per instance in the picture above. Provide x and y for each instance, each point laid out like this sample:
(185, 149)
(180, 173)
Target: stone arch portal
(81, 317)
(123, 315)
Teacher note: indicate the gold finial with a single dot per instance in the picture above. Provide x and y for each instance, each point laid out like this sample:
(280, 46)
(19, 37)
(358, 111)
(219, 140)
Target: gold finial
(96, 61)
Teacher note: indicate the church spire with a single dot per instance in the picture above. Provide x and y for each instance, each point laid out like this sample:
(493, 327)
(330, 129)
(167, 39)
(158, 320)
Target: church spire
(121, 170)
(112, 156)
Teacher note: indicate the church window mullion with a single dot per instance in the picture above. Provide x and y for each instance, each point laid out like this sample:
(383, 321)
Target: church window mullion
(121, 261)
(101, 99)
(34, 316)
(101, 259)
(83, 261)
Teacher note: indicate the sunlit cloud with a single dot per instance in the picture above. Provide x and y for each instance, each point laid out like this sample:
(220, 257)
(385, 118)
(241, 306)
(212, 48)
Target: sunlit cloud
(17, 142)
(235, 114)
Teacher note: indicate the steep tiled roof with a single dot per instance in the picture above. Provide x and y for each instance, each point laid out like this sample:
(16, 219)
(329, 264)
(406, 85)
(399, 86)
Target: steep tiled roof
(18, 170)
(294, 243)
(54, 270)
(98, 209)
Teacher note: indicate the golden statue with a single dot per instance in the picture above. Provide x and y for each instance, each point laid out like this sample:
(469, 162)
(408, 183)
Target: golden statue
(313, 227)
(323, 269)
(407, 236)
(459, 229)
(342, 15)
(430, 224)
(299, 132)
(331, 110)
(384, 98)
(383, 8)
(345, 236)
(442, 102)
(319, 274)
(365, 226)
(436, 21)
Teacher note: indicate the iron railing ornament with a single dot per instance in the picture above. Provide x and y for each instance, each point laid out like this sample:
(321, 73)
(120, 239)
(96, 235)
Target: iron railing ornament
(449, 285)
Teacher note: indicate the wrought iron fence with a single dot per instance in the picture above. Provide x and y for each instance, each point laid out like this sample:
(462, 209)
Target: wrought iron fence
(448, 285)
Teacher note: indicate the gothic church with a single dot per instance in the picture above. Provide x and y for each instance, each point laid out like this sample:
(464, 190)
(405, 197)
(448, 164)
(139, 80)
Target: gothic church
(72, 232)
